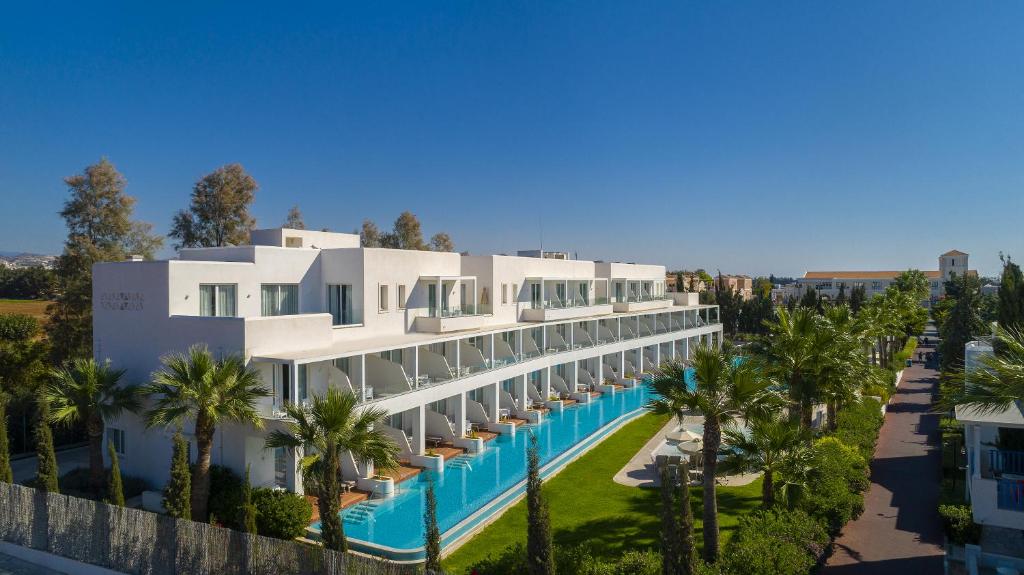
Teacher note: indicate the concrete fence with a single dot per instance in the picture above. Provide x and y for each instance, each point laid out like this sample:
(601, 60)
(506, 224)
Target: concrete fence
(139, 542)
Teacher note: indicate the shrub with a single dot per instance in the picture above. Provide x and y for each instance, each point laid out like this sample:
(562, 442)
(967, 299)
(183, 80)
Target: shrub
(281, 514)
(16, 327)
(775, 543)
(576, 560)
(227, 497)
(858, 425)
(511, 560)
(835, 485)
(959, 524)
(77, 483)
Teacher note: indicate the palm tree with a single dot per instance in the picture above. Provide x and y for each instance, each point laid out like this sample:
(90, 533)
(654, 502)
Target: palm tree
(791, 350)
(725, 389)
(328, 426)
(773, 441)
(208, 391)
(996, 383)
(85, 391)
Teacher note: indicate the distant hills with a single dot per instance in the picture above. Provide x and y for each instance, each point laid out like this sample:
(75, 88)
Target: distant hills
(9, 259)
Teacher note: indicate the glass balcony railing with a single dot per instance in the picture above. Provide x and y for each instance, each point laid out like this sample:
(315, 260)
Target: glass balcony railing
(459, 311)
(556, 303)
(1010, 494)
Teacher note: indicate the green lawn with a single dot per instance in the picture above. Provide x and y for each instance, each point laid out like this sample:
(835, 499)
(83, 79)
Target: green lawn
(588, 506)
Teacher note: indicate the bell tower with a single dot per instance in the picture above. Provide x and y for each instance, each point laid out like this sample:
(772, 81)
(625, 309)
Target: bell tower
(952, 264)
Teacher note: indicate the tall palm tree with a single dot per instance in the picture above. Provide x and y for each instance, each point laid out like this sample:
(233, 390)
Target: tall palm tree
(328, 426)
(996, 382)
(791, 351)
(772, 442)
(91, 393)
(194, 385)
(725, 389)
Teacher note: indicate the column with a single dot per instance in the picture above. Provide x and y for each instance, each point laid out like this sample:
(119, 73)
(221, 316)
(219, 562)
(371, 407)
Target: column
(416, 366)
(521, 395)
(490, 349)
(419, 429)
(490, 401)
(545, 382)
(574, 375)
(600, 370)
(622, 363)
(458, 404)
(361, 368)
(294, 479)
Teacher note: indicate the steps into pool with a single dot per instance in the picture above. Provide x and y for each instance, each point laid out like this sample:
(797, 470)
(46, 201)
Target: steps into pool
(362, 512)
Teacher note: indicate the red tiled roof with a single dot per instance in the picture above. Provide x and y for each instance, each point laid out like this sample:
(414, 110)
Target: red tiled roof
(876, 275)
(954, 253)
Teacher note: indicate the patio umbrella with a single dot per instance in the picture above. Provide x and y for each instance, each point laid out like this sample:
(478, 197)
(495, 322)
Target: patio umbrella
(683, 435)
(690, 447)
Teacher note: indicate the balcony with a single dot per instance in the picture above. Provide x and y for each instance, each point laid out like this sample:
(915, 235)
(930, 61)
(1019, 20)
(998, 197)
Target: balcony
(452, 318)
(641, 302)
(555, 309)
(1010, 494)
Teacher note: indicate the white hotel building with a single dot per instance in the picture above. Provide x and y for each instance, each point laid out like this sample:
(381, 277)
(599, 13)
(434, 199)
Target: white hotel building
(441, 341)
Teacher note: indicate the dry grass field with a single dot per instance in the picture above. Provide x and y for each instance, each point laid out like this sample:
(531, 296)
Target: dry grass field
(34, 308)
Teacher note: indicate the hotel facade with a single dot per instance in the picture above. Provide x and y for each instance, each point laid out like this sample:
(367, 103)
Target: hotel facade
(447, 344)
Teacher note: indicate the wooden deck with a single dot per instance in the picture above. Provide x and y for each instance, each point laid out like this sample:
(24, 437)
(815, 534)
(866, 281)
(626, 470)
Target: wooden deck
(404, 471)
(516, 421)
(486, 435)
(448, 452)
(347, 500)
(568, 403)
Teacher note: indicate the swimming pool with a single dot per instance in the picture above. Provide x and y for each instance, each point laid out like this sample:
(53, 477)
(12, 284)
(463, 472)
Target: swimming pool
(475, 487)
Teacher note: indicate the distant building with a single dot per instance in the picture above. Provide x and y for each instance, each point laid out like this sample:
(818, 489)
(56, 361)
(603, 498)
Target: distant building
(829, 283)
(691, 283)
(543, 254)
(743, 285)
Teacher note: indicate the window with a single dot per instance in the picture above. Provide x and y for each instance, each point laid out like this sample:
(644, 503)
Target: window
(279, 299)
(303, 381)
(292, 242)
(401, 297)
(339, 304)
(383, 298)
(217, 300)
(515, 293)
(116, 436)
(504, 294)
(876, 285)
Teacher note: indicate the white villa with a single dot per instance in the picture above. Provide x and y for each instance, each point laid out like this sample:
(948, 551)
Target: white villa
(829, 283)
(441, 341)
(994, 445)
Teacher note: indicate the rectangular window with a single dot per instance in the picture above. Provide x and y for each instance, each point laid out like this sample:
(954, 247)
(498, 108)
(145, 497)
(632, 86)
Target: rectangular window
(401, 297)
(217, 300)
(339, 304)
(515, 293)
(504, 294)
(116, 436)
(303, 381)
(279, 299)
(383, 298)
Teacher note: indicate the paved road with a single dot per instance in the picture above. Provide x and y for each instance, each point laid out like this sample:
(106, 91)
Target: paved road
(11, 566)
(68, 459)
(899, 531)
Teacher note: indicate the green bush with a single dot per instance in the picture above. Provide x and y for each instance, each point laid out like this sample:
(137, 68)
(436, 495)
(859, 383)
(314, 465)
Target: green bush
(774, 543)
(959, 524)
(511, 560)
(17, 327)
(950, 425)
(281, 514)
(834, 493)
(857, 424)
(226, 497)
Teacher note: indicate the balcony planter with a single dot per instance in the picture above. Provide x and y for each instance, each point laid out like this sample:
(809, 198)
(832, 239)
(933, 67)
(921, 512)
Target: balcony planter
(504, 427)
(379, 486)
(428, 461)
(470, 444)
(555, 405)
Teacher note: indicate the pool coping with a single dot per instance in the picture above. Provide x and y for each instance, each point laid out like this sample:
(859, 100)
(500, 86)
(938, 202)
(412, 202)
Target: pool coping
(464, 530)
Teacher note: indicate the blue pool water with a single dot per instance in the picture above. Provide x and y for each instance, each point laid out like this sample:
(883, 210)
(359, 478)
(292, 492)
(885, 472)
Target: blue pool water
(470, 482)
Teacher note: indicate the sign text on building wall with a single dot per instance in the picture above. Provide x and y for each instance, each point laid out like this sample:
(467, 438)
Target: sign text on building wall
(122, 301)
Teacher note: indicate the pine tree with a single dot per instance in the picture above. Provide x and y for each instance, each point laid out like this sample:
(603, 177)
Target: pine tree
(115, 495)
(6, 473)
(294, 220)
(248, 509)
(687, 551)
(540, 559)
(858, 297)
(432, 533)
(218, 214)
(178, 492)
(1011, 295)
(47, 472)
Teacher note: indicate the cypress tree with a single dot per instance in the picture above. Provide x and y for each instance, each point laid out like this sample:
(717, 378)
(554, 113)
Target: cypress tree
(540, 559)
(47, 472)
(178, 492)
(1011, 295)
(115, 488)
(6, 473)
(670, 542)
(248, 509)
(432, 533)
(687, 552)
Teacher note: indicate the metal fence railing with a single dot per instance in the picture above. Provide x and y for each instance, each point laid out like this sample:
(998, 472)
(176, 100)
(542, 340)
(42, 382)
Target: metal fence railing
(142, 543)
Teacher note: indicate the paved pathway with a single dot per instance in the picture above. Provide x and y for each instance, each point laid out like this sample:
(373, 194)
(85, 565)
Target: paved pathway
(899, 531)
(67, 459)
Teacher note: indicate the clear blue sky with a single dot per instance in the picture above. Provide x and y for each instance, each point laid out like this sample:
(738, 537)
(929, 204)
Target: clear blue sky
(752, 137)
